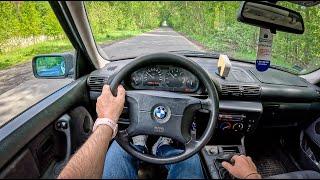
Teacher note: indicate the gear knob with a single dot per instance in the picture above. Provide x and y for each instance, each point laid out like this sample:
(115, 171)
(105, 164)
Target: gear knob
(226, 157)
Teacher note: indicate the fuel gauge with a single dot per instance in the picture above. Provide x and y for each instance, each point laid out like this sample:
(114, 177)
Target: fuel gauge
(175, 78)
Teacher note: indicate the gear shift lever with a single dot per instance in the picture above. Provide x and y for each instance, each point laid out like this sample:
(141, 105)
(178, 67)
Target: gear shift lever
(214, 155)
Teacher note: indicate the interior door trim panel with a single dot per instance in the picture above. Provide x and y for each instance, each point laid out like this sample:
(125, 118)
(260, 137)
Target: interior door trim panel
(23, 165)
(22, 129)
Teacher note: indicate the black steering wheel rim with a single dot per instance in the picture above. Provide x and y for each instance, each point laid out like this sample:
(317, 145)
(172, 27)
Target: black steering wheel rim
(193, 146)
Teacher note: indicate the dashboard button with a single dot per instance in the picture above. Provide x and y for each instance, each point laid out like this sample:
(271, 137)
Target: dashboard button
(252, 121)
(237, 127)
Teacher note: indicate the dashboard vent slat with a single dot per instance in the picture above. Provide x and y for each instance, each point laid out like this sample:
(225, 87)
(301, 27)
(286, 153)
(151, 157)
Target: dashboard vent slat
(233, 90)
(96, 83)
(251, 90)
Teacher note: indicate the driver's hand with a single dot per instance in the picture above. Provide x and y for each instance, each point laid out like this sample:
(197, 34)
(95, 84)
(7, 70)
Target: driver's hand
(109, 106)
(243, 167)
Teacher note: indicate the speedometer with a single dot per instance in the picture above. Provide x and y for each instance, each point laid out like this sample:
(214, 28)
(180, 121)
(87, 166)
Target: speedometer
(175, 78)
(152, 76)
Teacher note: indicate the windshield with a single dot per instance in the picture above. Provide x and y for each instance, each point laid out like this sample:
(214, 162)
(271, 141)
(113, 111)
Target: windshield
(130, 29)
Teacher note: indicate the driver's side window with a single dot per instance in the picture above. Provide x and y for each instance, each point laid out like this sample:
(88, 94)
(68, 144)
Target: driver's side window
(29, 29)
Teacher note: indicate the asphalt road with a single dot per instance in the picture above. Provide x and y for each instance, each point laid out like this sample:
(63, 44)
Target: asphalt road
(19, 89)
(159, 40)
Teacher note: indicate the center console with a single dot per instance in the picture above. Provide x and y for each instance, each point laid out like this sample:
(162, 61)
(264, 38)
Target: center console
(214, 155)
(235, 120)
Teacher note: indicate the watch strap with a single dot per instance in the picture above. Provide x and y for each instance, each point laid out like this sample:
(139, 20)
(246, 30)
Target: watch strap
(107, 122)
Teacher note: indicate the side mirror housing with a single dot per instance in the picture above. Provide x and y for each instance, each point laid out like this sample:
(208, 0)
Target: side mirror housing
(53, 66)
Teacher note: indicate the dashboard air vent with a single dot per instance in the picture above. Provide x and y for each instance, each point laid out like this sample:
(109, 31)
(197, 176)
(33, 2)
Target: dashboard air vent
(233, 90)
(240, 90)
(251, 91)
(96, 83)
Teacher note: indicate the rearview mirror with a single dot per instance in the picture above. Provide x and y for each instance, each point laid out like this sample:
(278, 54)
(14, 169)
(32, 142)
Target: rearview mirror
(52, 65)
(271, 16)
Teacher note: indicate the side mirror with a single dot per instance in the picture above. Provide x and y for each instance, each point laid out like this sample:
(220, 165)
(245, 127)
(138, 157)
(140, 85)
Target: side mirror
(53, 66)
(271, 16)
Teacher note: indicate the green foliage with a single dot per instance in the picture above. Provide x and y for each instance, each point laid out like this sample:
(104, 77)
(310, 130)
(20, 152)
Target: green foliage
(25, 19)
(49, 24)
(31, 19)
(7, 10)
(212, 23)
(106, 17)
(22, 55)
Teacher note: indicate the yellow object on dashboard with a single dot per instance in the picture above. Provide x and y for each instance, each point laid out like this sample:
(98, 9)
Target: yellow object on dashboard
(224, 65)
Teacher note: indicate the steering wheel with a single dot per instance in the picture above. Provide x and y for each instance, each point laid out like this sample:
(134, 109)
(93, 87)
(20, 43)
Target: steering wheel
(164, 113)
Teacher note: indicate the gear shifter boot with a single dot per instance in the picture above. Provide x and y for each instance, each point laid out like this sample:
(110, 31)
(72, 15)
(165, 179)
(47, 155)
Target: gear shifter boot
(223, 173)
(225, 157)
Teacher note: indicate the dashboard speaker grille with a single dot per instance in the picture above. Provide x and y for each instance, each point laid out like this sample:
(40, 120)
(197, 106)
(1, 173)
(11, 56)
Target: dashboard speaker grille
(96, 83)
(240, 90)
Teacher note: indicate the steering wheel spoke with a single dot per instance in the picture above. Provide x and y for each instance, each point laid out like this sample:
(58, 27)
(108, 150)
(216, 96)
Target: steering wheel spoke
(190, 145)
(206, 104)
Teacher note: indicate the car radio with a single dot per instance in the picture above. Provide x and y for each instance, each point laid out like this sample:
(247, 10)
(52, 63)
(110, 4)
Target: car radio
(237, 122)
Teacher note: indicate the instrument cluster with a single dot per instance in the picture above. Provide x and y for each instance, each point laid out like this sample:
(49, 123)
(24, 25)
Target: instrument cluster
(164, 78)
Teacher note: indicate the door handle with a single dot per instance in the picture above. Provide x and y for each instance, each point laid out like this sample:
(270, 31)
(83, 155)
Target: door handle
(63, 125)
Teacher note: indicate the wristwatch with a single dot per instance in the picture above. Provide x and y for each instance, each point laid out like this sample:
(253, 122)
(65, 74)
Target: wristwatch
(106, 122)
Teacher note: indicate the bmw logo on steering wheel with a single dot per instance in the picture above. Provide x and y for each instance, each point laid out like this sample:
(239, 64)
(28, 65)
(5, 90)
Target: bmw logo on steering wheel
(160, 113)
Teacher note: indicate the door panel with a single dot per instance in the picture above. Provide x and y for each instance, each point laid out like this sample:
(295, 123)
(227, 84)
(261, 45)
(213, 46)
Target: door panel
(37, 156)
(22, 166)
(47, 147)
(31, 140)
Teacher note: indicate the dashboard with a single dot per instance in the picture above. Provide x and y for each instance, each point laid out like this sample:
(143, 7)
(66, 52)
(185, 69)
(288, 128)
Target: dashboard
(247, 97)
(164, 78)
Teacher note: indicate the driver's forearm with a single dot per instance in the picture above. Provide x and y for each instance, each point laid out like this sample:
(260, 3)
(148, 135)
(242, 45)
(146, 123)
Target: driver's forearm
(88, 162)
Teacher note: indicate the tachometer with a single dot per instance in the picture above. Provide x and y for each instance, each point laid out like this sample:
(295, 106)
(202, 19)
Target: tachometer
(175, 78)
(152, 76)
